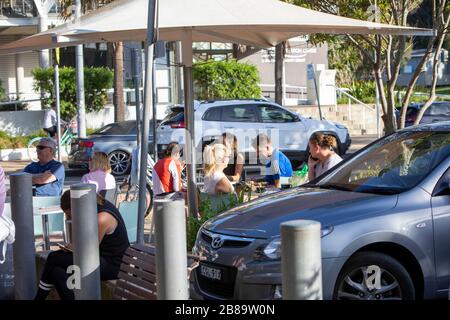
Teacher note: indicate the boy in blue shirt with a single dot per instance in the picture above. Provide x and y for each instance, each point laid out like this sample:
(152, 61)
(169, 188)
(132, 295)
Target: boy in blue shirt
(278, 166)
(48, 174)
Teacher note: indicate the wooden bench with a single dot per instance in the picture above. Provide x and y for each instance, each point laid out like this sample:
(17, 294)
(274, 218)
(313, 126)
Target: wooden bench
(137, 276)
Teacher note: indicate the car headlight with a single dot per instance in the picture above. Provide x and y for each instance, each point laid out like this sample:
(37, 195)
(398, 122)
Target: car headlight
(273, 249)
(340, 126)
(326, 231)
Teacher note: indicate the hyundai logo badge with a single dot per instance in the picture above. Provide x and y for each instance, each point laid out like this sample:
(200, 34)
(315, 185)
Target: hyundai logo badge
(216, 242)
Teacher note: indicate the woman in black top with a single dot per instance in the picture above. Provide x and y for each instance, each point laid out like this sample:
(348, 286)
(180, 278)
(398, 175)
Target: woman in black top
(234, 169)
(113, 240)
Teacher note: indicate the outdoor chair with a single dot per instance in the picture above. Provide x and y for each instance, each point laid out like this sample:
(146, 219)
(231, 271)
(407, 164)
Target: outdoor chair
(55, 221)
(129, 212)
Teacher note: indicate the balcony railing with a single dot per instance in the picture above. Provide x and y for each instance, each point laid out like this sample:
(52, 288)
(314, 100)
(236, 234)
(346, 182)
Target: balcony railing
(22, 9)
(17, 8)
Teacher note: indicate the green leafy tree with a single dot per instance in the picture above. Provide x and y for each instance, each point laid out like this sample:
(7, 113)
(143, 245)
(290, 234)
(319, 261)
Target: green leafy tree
(226, 80)
(385, 54)
(117, 48)
(96, 82)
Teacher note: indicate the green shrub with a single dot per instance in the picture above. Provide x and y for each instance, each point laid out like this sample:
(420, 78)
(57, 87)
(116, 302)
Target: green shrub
(96, 82)
(206, 213)
(2, 92)
(226, 80)
(10, 142)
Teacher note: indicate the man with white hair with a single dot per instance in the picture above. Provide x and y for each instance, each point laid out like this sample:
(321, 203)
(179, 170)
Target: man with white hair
(48, 174)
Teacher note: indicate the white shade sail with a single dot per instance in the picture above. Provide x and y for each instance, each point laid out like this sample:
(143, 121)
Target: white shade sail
(261, 23)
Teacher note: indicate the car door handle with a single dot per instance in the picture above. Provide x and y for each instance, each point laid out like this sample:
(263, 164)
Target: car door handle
(270, 127)
(228, 127)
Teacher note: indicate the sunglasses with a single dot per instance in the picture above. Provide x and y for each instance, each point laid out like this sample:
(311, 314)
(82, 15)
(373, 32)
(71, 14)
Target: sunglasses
(41, 147)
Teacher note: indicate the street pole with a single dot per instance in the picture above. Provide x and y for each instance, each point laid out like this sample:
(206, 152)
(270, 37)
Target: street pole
(81, 108)
(189, 115)
(301, 265)
(86, 256)
(58, 103)
(24, 260)
(148, 103)
(136, 69)
(154, 120)
(171, 262)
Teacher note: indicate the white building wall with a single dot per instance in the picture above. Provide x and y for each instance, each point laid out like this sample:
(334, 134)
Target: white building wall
(29, 60)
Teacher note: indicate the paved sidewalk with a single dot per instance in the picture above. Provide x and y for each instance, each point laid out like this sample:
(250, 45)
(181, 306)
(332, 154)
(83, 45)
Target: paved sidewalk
(359, 142)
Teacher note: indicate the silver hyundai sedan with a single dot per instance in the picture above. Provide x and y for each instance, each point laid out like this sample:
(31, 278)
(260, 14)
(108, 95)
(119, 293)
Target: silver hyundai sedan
(385, 215)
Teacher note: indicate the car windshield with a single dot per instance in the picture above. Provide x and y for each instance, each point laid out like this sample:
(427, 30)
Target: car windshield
(392, 165)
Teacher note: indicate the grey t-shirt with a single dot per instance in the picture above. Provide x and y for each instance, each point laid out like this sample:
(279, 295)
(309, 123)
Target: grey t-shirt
(327, 164)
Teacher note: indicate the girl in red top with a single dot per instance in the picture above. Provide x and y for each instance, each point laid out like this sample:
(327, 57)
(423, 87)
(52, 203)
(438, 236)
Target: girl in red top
(166, 173)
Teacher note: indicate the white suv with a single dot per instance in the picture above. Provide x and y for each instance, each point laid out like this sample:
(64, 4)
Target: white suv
(289, 131)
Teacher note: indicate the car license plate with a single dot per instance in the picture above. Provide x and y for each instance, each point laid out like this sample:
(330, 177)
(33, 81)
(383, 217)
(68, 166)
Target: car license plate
(211, 273)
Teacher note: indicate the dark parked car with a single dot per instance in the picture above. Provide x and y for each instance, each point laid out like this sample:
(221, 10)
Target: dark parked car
(117, 140)
(438, 111)
(385, 218)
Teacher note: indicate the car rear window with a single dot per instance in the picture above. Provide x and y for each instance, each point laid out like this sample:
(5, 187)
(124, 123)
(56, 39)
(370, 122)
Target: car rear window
(411, 112)
(177, 118)
(172, 113)
(117, 128)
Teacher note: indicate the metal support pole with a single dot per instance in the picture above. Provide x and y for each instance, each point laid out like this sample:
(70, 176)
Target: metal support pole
(58, 105)
(136, 69)
(23, 248)
(81, 108)
(317, 94)
(148, 103)
(154, 120)
(171, 255)
(190, 146)
(85, 240)
(301, 260)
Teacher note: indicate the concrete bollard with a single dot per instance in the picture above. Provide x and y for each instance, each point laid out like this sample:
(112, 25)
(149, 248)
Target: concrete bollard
(301, 263)
(171, 255)
(24, 252)
(85, 240)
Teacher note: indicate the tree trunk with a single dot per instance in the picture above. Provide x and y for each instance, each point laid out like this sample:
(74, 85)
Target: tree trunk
(119, 105)
(279, 73)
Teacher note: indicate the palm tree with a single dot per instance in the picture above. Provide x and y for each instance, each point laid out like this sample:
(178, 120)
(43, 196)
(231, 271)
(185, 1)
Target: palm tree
(118, 98)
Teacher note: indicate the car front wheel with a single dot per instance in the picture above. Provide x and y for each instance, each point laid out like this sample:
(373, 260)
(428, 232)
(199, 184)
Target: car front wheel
(374, 276)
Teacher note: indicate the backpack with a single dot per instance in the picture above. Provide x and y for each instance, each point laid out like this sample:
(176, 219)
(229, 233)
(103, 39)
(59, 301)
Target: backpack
(7, 235)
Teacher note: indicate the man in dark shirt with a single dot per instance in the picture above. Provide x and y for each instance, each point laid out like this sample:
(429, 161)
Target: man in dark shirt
(48, 174)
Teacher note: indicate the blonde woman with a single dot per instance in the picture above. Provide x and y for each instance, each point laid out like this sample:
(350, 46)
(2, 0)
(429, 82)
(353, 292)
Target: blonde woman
(100, 173)
(216, 158)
